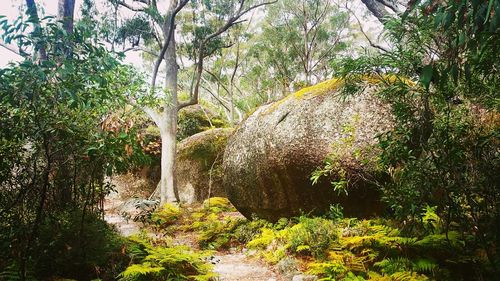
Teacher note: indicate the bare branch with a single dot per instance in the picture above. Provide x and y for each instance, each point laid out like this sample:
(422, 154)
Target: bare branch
(219, 99)
(155, 115)
(12, 49)
(218, 80)
(201, 53)
(130, 7)
(364, 33)
(170, 23)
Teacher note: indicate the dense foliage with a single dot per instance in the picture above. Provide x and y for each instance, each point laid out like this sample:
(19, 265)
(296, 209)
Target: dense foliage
(54, 155)
(444, 151)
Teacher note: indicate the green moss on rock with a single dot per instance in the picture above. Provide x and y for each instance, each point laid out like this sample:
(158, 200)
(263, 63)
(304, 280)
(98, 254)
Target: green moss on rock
(196, 119)
(199, 165)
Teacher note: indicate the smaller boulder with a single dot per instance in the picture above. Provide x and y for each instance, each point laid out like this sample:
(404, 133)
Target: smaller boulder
(196, 119)
(199, 165)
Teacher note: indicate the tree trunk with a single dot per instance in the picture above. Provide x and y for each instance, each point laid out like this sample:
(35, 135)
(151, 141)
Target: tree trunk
(168, 128)
(33, 14)
(168, 150)
(65, 13)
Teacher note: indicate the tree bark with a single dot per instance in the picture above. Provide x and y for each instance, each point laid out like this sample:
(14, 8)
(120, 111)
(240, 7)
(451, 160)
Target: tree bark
(377, 9)
(168, 151)
(168, 128)
(33, 14)
(65, 13)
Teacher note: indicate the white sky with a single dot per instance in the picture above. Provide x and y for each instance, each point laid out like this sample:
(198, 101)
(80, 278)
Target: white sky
(11, 9)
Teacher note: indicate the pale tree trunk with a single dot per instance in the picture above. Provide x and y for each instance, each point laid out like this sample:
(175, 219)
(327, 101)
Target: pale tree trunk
(168, 126)
(168, 150)
(166, 120)
(166, 117)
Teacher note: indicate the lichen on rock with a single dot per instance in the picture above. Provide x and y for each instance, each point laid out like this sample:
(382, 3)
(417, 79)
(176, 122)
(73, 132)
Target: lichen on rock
(199, 165)
(270, 158)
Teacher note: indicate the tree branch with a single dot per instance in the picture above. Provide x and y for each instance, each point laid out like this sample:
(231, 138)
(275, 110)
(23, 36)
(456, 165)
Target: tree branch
(130, 7)
(12, 49)
(138, 48)
(364, 33)
(201, 54)
(377, 9)
(170, 23)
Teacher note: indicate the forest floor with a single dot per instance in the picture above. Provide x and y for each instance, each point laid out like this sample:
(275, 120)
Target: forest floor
(230, 265)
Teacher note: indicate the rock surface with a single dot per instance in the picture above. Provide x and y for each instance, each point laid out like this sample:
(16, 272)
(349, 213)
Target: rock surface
(269, 160)
(195, 119)
(199, 165)
(304, 277)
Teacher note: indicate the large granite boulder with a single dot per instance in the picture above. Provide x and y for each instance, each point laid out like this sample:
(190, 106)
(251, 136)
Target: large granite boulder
(199, 165)
(271, 157)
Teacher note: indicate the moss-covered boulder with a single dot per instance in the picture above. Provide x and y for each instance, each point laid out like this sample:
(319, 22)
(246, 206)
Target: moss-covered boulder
(195, 119)
(199, 165)
(271, 157)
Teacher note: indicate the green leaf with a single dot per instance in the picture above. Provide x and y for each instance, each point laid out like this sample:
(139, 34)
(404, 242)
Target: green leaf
(488, 13)
(426, 76)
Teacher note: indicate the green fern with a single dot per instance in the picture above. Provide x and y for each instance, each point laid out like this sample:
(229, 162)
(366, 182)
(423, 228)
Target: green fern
(167, 263)
(11, 273)
(408, 276)
(141, 271)
(390, 266)
(424, 265)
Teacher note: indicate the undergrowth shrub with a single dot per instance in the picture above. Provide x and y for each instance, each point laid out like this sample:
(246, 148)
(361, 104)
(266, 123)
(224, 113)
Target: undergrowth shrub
(219, 204)
(249, 230)
(351, 249)
(166, 263)
(167, 215)
(76, 246)
(216, 233)
(312, 235)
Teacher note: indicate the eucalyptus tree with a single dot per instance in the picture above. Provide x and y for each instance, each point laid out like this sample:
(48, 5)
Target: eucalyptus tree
(300, 39)
(211, 20)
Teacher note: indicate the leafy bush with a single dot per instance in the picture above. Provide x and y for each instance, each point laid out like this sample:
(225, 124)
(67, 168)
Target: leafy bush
(55, 152)
(216, 233)
(444, 149)
(249, 230)
(220, 203)
(312, 235)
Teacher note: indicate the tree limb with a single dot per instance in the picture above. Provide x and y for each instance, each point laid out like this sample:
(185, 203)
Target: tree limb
(201, 54)
(377, 9)
(138, 48)
(170, 24)
(130, 7)
(12, 49)
(364, 33)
